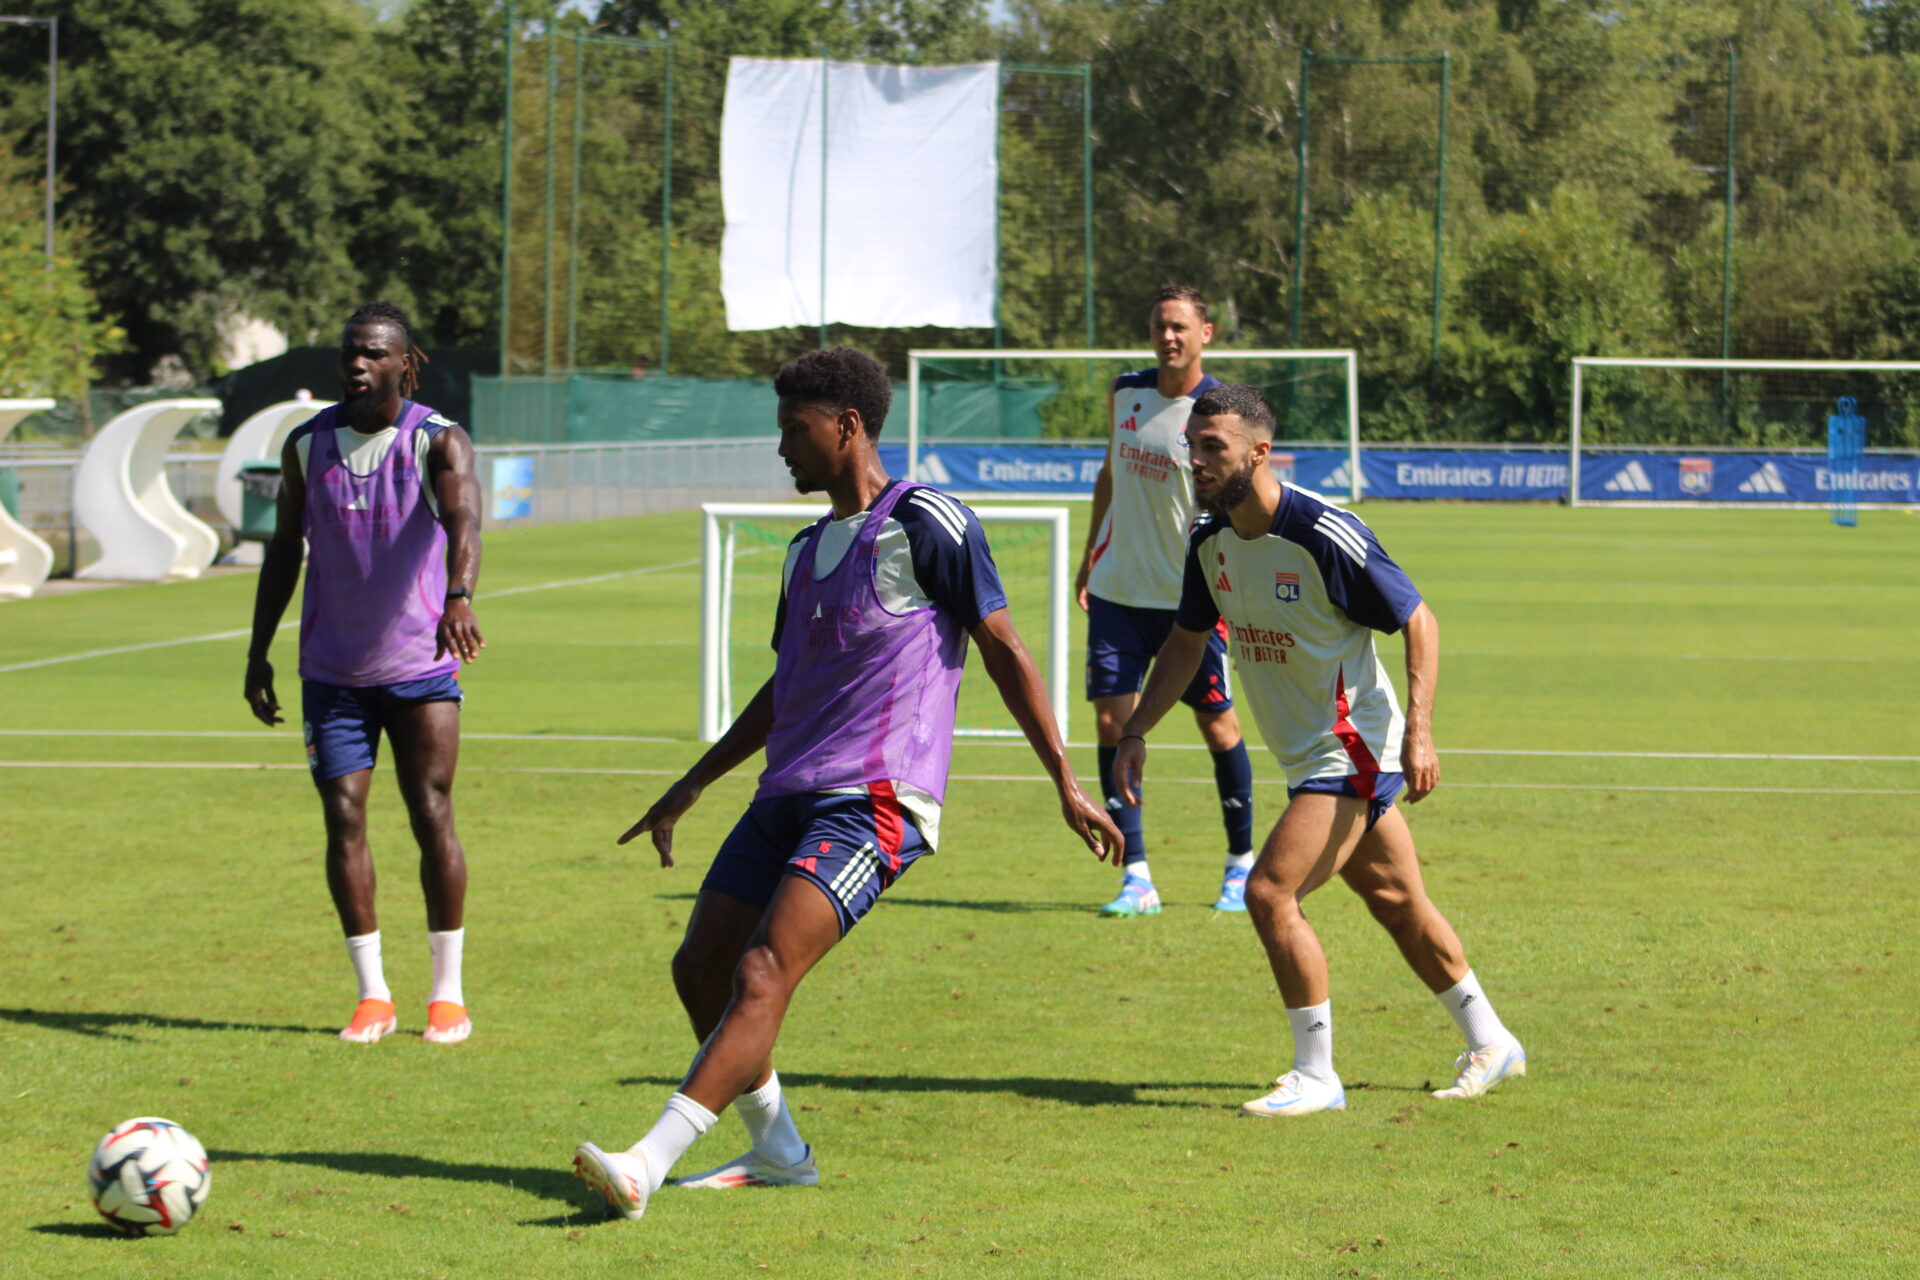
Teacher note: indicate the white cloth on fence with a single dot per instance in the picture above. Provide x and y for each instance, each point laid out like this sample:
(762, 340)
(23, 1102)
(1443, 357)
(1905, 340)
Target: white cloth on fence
(912, 191)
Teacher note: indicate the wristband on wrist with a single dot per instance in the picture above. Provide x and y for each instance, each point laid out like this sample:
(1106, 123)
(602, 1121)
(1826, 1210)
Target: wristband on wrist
(460, 593)
(1136, 737)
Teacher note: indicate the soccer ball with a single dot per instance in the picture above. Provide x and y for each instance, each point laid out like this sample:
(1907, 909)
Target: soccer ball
(149, 1177)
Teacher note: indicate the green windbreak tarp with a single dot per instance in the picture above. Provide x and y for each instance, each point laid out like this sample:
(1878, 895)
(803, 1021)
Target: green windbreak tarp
(592, 409)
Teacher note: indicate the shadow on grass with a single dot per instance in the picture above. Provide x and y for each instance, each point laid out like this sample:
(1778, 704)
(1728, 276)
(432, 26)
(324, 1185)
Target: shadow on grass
(556, 1183)
(102, 1024)
(89, 1230)
(1079, 1093)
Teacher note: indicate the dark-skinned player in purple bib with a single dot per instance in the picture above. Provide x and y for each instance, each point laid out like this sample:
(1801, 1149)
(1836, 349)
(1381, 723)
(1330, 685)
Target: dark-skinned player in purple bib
(880, 601)
(382, 493)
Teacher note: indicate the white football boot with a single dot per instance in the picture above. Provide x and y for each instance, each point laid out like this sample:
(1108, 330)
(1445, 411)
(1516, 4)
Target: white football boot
(620, 1179)
(755, 1170)
(1297, 1094)
(1481, 1069)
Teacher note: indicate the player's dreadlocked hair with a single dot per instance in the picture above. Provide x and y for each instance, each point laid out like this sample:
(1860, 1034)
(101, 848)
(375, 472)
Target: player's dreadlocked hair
(836, 378)
(1240, 400)
(388, 313)
(1183, 293)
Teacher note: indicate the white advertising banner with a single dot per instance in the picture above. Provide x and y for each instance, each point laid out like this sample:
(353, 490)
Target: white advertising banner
(910, 163)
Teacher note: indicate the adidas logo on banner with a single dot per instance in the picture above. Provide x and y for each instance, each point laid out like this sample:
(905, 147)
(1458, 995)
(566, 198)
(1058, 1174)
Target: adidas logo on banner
(1342, 478)
(1632, 478)
(934, 471)
(1765, 480)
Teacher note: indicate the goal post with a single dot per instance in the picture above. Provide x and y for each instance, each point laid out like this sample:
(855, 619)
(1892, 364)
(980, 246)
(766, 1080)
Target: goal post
(993, 361)
(743, 551)
(1770, 432)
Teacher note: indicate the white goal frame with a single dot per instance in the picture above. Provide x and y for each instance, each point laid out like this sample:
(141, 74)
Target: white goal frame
(716, 586)
(1751, 366)
(914, 358)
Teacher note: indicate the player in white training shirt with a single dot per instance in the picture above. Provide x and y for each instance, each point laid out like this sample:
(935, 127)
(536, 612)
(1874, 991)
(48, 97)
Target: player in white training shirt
(1129, 585)
(1302, 586)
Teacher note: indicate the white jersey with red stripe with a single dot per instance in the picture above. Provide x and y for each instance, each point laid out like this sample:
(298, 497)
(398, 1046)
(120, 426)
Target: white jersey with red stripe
(1143, 544)
(1301, 604)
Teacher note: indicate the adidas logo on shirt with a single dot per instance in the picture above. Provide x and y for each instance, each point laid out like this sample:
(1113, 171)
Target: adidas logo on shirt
(1632, 478)
(1765, 480)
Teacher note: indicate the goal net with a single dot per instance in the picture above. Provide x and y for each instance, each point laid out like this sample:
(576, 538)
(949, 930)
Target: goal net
(1060, 398)
(743, 552)
(1673, 432)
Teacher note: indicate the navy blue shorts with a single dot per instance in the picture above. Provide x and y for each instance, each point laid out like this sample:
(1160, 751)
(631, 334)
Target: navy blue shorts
(1123, 641)
(852, 846)
(343, 722)
(1379, 790)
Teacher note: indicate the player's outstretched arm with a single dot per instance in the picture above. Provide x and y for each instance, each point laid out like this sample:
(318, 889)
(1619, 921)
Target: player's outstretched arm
(279, 571)
(458, 490)
(1005, 656)
(746, 735)
(1419, 762)
(1173, 670)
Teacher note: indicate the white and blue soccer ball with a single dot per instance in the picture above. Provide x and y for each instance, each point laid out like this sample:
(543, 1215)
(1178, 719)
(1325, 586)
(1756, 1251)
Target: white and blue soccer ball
(149, 1176)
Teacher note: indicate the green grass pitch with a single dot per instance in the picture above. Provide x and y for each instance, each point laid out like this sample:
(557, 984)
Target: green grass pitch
(1712, 960)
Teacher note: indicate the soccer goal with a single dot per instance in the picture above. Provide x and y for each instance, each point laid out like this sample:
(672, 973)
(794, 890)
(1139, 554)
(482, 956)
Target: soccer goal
(1754, 433)
(1061, 396)
(743, 552)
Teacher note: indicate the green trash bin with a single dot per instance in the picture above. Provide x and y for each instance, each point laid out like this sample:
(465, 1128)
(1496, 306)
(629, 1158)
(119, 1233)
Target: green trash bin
(10, 491)
(259, 500)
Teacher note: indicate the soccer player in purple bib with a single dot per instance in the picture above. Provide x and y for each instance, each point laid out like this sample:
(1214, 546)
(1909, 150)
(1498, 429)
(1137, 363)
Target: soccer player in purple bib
(879, 601)
(1129, 585)
(1303, 586)
(383, 492)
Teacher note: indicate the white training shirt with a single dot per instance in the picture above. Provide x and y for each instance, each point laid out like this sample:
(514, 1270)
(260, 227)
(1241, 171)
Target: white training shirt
(1302, 603)
(1142, 548)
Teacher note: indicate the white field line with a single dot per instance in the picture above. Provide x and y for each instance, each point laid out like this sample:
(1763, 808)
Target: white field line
(1520, 752)
(247, 631)
(1001, 777)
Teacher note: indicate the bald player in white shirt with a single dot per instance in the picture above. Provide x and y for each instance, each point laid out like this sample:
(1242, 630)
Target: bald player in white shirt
(1303, 586)
(1129, 585)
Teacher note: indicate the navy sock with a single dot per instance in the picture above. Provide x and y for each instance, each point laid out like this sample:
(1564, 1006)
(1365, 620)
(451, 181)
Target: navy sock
(1126, 816)
(1233, 777)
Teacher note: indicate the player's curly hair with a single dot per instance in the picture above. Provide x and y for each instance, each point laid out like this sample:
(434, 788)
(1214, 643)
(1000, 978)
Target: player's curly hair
(1182, 293)
(836, 378)
(388, 313)
(1241, 400)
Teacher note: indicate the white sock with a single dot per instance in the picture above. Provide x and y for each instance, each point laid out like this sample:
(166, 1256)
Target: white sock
(1313, 1040)
(770, 1124)
(446, 948)
(1473, 1013)
(679, 1125)
(1138, 870)
(364, 951)
(1243, 861)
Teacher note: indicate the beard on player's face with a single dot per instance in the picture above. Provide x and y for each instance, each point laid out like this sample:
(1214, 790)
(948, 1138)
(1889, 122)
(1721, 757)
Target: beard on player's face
(1223, 496)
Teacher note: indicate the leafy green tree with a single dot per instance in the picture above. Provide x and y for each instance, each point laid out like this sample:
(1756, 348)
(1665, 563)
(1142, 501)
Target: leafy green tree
(50, 331)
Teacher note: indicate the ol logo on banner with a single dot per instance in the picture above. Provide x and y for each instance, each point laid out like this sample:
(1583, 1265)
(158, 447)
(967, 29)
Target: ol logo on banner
(1696, 475)
(1286, 587)
(1282, 465)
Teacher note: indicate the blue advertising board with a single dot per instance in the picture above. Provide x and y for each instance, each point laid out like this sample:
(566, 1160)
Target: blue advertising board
(1473, 475)
(512, 488)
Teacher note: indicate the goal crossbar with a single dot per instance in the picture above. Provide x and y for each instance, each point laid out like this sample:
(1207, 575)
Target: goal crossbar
(915, 356)
(1582, 363)
(716, 587)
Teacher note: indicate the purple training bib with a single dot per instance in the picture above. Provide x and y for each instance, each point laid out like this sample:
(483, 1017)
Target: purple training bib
(861, 695)
(376, 564)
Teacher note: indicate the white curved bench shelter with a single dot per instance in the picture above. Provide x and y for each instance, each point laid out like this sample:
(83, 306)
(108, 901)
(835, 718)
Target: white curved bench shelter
(25, 560)
(121, 497)
(258, 439)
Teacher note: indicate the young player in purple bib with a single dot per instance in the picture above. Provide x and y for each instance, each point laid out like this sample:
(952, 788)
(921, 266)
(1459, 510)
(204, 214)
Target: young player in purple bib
(383, 493)
(881, 598)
